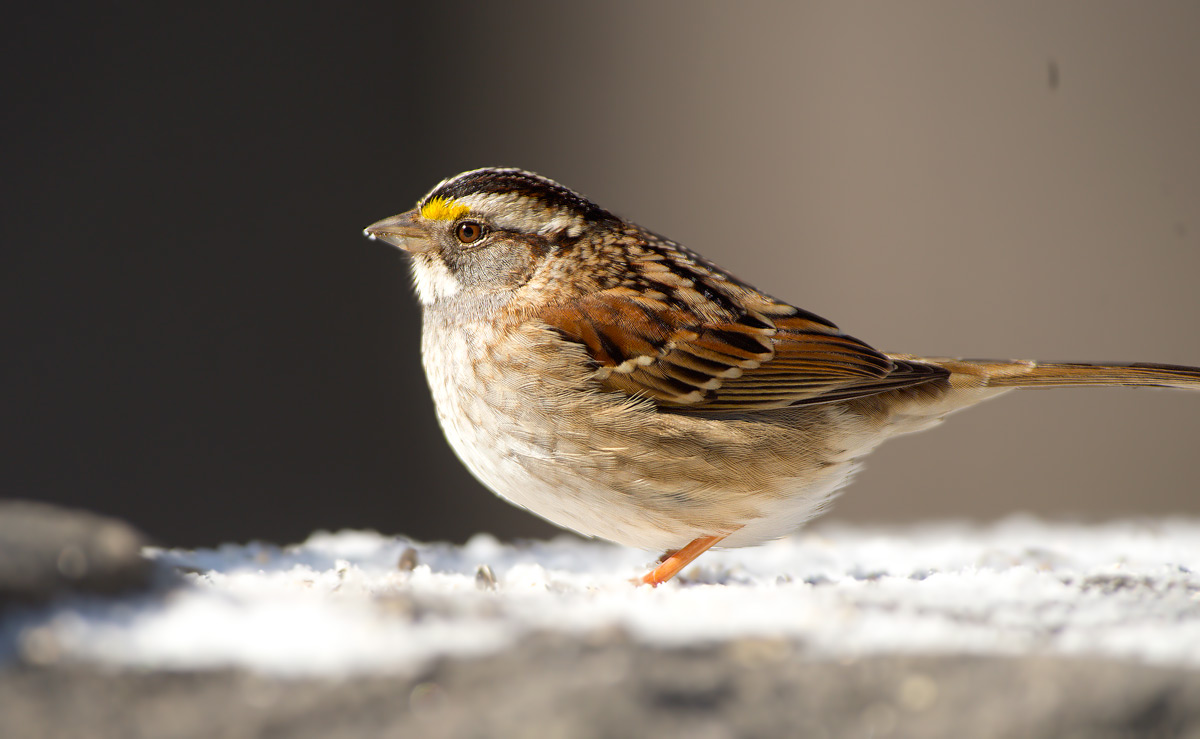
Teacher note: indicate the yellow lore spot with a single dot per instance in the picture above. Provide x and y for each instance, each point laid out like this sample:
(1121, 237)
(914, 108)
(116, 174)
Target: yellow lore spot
(443, 209)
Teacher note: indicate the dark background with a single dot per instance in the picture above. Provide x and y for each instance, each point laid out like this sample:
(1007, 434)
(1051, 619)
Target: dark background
(196, 336)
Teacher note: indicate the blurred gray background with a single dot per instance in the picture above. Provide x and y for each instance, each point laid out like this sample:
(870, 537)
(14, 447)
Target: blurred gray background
(197, 338)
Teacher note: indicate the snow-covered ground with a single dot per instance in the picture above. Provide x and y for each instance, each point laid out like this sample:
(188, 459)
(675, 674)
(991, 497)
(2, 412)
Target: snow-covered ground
(342, 603)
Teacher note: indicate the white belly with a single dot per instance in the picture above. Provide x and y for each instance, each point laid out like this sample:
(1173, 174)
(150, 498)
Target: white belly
(606, 466)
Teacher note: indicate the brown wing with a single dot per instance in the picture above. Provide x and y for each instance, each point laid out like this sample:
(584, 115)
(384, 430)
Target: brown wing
(650, 344)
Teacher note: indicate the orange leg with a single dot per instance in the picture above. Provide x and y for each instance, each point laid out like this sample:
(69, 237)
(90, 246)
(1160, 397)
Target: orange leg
(675, 561)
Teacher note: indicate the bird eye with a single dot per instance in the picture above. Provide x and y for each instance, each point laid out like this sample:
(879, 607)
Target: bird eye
(469, 232)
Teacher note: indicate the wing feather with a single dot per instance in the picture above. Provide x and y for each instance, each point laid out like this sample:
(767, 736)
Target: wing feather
(748, 361)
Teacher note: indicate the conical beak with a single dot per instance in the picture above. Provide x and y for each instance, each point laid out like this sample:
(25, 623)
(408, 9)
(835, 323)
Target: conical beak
(405, 231)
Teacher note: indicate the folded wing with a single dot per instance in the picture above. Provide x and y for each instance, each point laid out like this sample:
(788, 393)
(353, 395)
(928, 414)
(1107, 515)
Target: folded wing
(747, 359)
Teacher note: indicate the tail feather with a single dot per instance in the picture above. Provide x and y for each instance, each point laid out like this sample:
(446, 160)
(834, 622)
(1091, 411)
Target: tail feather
(1002, 374)
(970, 381)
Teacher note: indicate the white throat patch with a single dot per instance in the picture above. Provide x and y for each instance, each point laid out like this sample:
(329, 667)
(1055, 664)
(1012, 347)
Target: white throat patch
(433, 278)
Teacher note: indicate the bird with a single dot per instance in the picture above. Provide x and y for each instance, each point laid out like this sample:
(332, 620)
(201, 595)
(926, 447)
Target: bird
(620, 385)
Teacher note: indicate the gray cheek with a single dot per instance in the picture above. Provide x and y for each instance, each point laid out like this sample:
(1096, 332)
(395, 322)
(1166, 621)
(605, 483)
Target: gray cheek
(494, 267)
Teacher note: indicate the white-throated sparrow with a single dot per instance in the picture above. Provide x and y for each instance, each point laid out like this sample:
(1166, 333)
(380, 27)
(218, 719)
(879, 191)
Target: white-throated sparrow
(620, 385)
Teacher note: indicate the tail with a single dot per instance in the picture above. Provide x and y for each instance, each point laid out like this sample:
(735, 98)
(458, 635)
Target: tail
(965, 382)
(1001, 374)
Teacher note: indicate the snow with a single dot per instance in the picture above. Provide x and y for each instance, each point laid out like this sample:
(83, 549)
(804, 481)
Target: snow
(339, 604)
